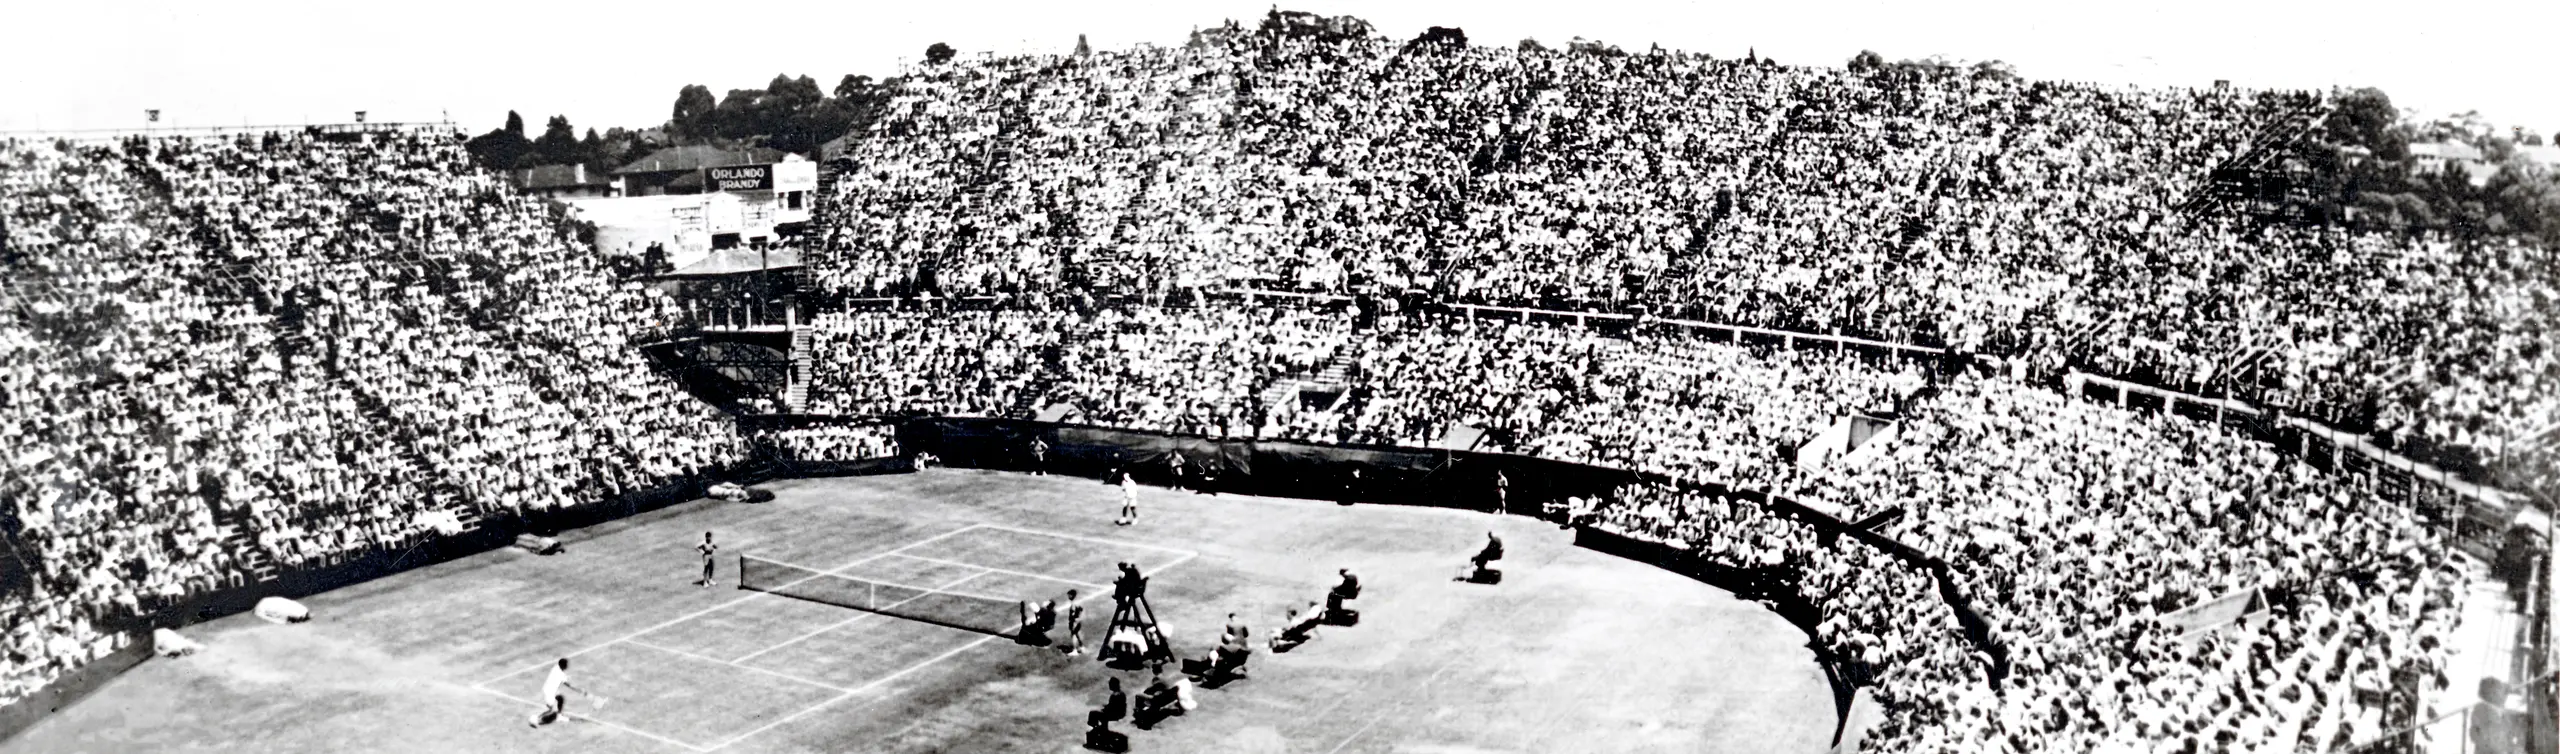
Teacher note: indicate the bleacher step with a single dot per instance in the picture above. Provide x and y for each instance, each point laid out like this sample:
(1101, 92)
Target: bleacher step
(2483, 645)
(795, 393)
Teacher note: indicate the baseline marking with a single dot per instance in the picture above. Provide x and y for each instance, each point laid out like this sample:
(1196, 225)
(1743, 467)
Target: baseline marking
(1005, 571)
(1113, 542)
(730, 603)
(606, 723)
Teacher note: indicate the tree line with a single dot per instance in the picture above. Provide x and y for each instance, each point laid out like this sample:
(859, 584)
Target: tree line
(791, 113)
(2359, 165)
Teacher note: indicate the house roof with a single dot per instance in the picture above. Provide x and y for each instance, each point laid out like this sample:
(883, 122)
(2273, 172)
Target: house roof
(2449, 150)
(559, 177)
(697, 157)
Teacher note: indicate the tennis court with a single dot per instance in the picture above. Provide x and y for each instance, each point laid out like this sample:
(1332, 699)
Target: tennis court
(808, 637)
(1576, 651)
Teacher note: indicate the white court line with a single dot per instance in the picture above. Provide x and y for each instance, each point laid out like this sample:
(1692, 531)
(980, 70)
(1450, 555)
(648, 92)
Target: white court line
(784, 676)
(1006, 571)
(715, 608)
(955, 652)
(1186, 558)
(606, 723)
(858, 615)
(1373, 722)
(1114, 542)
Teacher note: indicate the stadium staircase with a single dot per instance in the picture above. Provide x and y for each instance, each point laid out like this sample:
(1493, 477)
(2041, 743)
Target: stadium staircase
(411, 462)
(1281, 391)
(467, 516)
(1336, 373)
(2256, 181)
(235, 526)
(1034, 395)
(1028, 402)
(2485, 645)
(795, 395)
(1334, 377)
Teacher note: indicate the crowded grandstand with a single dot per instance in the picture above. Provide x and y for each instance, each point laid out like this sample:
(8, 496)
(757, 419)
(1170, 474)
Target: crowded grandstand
(230, 357)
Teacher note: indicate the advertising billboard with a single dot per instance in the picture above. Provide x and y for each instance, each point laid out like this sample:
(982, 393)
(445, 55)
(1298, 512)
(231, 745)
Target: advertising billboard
(742, 178)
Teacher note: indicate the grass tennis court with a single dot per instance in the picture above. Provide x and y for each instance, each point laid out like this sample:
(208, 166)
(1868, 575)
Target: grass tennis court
(1577, 651)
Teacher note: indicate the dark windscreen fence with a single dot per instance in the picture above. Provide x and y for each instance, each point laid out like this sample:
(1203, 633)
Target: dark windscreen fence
(968, 612)
(1369, 474)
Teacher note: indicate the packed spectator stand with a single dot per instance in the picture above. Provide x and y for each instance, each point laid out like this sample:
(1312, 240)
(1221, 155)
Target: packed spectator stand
(1984, 214)
(228, 356)
(2044, 224)
(311, 345)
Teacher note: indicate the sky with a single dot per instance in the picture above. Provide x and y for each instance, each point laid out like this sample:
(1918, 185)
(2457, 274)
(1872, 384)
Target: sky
(98, 64)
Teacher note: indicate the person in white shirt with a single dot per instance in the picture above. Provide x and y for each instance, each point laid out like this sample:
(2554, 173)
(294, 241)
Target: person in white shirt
(1128, 499)
(554, 702)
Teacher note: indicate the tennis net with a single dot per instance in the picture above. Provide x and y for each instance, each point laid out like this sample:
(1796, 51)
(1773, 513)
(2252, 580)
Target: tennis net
(968, 612)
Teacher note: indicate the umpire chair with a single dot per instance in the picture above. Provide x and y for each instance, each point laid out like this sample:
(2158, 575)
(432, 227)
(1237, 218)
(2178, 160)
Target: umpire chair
(1130, 610)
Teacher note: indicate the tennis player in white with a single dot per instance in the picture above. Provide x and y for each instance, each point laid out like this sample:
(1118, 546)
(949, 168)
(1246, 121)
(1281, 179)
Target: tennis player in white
(555, 703)
(1128, 499)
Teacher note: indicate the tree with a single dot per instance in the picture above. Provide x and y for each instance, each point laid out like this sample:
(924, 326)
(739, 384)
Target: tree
(2364, 118)
(501, 149)
(622, 145)
(854, 86)
(1529, 44)
(693, 110)
(857, 103)
(559, 143)
(1866, 60)
(793, 94)
(1441, 35)
(1084, 50)
(792, 114)
(737, 116)
(1594, 47)
(1303, 25)
(592, 151)
(939, 53)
